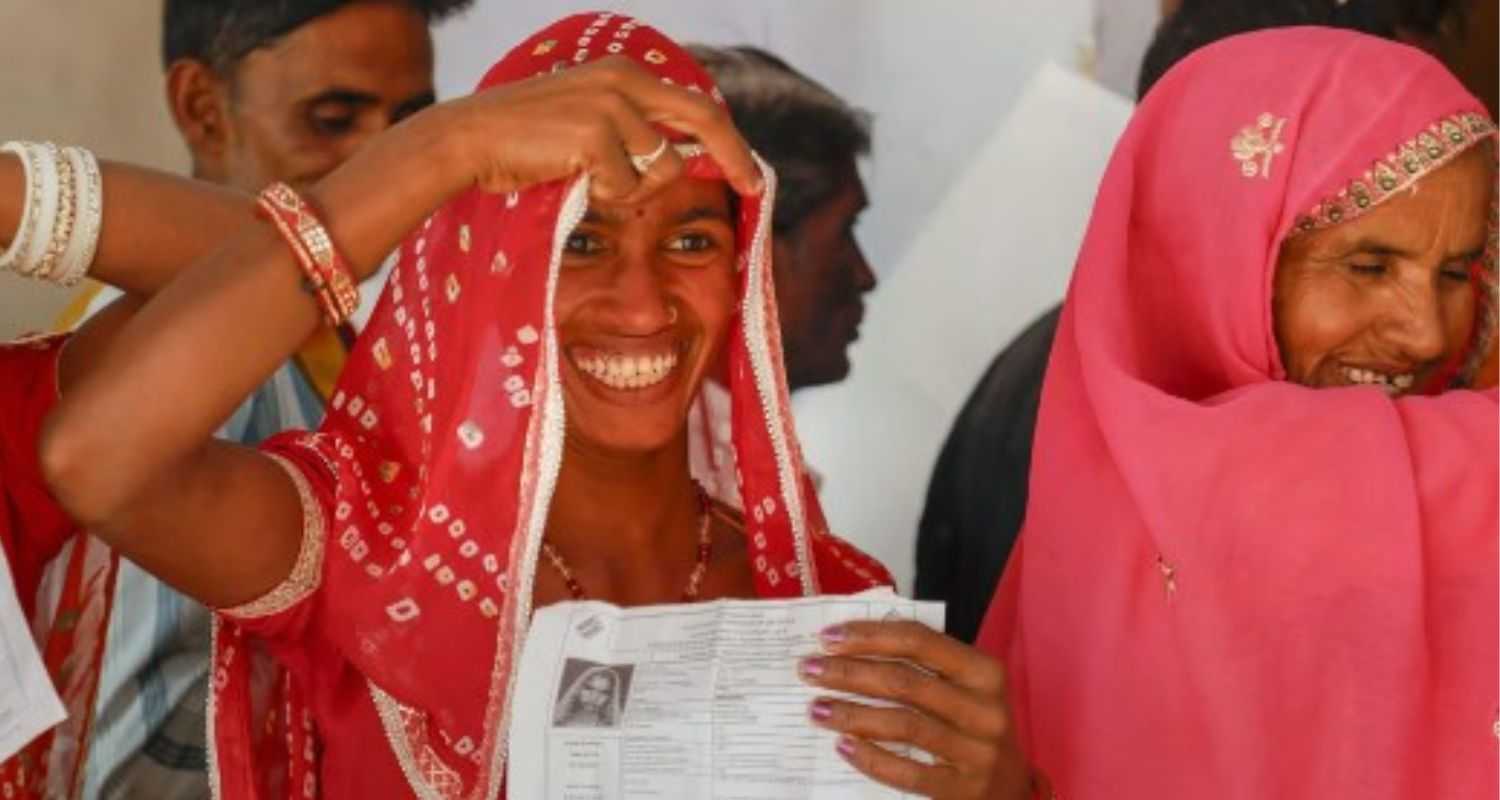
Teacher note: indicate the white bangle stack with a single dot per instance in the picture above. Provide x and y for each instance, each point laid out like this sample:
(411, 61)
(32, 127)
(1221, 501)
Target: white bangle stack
(58, 234)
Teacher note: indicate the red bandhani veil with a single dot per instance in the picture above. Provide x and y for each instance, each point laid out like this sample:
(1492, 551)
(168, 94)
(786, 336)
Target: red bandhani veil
(441, 450)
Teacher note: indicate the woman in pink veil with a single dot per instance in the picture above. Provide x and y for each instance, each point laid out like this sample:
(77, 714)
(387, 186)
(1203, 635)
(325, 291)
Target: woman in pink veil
(1260, 554)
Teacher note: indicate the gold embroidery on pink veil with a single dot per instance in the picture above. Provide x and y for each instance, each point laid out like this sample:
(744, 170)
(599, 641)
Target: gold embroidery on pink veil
(1407, 164)
(307, 572)
(1255, 146)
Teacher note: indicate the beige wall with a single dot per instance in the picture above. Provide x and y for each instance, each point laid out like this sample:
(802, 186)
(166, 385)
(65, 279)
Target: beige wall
(80, 72)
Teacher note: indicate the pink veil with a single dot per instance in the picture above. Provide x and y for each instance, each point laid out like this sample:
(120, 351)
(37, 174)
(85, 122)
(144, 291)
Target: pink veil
(1228, 585)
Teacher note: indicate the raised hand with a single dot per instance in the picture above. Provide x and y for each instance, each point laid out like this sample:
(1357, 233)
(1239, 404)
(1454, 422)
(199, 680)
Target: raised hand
(592, 119)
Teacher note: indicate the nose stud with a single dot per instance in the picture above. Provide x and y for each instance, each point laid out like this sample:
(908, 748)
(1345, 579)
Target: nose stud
(671, 315)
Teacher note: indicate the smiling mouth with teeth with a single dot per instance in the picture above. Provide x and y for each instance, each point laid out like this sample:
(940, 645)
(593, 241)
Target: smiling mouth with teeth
(1391, 384)
(624, 371)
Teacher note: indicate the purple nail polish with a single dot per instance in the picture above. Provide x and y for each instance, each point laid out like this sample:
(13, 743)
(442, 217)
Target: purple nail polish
(813, 667)
(846, 746)
(834, 635)
(822, 710)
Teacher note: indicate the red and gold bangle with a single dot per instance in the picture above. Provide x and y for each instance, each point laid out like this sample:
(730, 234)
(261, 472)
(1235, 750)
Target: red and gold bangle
(326, 274)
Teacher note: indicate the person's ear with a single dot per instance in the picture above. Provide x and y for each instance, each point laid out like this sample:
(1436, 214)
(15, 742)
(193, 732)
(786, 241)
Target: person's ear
(198, 100)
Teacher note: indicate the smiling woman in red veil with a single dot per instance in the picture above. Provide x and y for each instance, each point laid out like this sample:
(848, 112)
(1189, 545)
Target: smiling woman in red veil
(581, 243)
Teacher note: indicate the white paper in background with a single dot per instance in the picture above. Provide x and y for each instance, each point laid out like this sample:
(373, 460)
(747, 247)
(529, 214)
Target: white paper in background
(698, 700)
(997, 253)
(28, 703)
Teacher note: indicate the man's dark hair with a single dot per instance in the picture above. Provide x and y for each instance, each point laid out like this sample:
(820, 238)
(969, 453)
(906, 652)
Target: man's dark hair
(1198, 23)
(805, 131)
(221, 32)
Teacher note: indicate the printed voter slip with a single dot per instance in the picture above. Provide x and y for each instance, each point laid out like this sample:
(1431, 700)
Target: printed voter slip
(695, 700)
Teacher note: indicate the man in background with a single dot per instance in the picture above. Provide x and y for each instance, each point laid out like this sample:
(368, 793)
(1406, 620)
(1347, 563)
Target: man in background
(814, 140)
(261, 91)
(976, 501)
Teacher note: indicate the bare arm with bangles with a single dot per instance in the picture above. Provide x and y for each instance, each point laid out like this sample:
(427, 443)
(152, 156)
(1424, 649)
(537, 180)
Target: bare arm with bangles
(129, 450)
(155, 224)
(153, 228)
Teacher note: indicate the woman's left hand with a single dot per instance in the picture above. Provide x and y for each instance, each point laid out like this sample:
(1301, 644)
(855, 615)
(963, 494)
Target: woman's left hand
(952, 705)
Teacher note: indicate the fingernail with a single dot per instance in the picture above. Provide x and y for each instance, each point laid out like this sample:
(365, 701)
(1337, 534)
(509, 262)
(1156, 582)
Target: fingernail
(813, 667)
(822, 710)
(845, 746)
(834, 635)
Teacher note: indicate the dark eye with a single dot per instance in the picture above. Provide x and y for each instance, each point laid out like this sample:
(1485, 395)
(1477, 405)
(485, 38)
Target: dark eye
(1370, 268)
(332, 118)
(331, 124)
(1456, 271)
(691, 243)
(582, 244)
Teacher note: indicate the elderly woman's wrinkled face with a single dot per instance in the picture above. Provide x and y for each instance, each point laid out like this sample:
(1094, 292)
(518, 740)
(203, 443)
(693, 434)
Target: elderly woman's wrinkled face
(644, 302)
(1387, 299)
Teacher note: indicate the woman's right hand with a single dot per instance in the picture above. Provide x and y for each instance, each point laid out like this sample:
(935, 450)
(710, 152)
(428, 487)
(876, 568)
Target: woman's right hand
(591, 119)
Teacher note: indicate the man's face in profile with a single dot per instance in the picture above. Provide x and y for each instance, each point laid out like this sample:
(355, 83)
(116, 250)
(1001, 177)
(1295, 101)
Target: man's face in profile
(821, 279)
